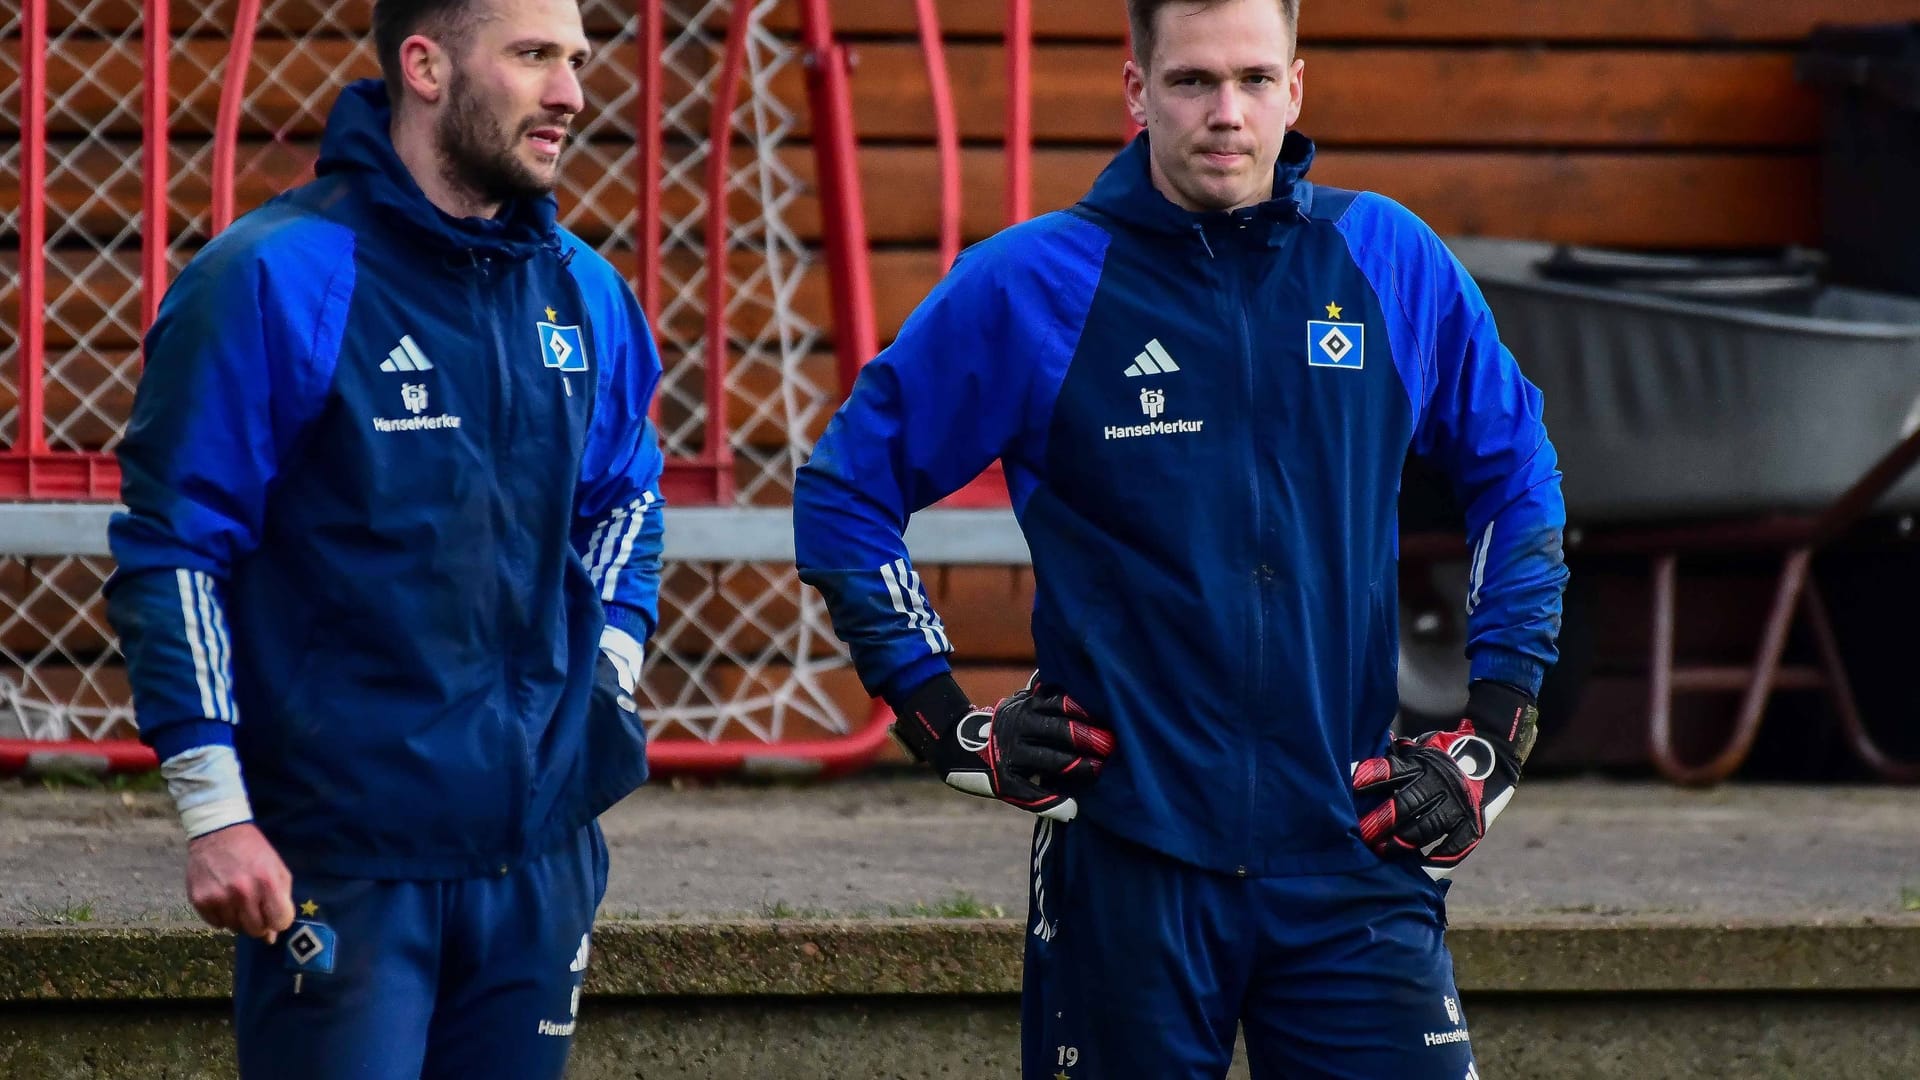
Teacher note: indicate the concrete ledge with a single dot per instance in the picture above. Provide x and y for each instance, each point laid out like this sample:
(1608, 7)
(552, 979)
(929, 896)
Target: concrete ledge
(1560, 999)
(694, 533)
(870, 958)
(1665, 955)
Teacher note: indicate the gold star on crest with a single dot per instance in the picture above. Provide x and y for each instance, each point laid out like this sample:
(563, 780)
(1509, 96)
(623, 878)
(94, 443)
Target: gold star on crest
(309, 909)
(551, 315)
(1333, 311)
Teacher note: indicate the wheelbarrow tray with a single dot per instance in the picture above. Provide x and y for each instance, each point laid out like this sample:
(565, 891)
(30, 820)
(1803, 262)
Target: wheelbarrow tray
(1664, 408)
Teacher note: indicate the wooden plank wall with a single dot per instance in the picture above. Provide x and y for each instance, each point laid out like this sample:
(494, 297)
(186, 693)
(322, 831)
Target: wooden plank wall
(1643, 123)
(1651, 123)
(1632, 122)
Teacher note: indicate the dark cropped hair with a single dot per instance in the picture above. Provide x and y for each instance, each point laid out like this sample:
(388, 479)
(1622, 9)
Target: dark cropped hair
(394, 21)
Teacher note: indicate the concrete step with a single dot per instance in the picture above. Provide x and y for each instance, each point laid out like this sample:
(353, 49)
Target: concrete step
(1648, 996)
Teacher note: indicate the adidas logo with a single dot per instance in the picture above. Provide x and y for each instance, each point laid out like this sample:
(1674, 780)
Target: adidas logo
(580, 958)
(1153, 360)
(406, 356)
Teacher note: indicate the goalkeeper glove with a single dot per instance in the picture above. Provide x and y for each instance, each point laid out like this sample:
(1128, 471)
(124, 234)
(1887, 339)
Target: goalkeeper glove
(1034, 750)
(1444, 788)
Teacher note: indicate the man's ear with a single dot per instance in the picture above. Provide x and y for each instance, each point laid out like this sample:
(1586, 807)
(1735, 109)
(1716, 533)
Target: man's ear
(1133, 80)
(424, 68)
(1296, 90)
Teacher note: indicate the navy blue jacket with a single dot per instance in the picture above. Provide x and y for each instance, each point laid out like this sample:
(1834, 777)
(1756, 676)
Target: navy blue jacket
(1203, 421)
(388, 475)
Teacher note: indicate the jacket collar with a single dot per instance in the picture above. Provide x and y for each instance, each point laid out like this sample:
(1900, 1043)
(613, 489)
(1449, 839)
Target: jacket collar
(358, 143)
(1125, 191)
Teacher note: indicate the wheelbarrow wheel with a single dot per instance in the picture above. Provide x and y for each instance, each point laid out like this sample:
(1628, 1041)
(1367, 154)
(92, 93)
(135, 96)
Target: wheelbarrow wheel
(1870, 598)
(1433, 661)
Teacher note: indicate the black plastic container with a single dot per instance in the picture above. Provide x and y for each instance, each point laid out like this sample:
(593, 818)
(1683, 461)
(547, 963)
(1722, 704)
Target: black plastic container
(1869, 77)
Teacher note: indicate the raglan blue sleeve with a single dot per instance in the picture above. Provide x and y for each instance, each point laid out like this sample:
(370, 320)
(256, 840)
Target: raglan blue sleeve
(1480, 421)
(926, 416)
(236, 365)
(618, 525)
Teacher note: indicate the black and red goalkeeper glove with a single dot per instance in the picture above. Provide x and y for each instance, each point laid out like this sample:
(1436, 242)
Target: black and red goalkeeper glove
(1445, 787)
(1035, 750)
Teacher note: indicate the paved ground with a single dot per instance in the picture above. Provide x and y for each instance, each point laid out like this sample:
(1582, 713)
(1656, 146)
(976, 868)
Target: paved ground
(900, 844)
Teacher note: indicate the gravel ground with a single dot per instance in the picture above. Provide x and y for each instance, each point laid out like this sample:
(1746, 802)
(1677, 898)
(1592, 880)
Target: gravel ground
(902, 844)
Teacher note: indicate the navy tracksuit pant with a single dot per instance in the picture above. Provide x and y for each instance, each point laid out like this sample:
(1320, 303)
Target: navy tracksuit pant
(1141, 967)
(424, 980)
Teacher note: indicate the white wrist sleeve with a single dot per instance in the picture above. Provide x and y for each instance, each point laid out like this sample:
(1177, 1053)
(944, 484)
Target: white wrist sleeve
(206, 788)
(626, 654)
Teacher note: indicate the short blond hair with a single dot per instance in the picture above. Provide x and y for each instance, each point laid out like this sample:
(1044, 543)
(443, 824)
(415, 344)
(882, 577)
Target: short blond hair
(1141, 15)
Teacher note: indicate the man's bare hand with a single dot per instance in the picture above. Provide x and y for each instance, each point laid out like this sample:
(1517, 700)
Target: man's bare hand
(236, 881)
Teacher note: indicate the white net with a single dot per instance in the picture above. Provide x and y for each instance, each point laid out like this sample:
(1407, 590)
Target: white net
(742, 648)
(770, 340)
(746, 645)
(60, 675)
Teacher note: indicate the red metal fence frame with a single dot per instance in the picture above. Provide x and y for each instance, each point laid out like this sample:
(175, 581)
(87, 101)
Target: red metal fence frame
(29, 469)
(1019, 47)
(946, 129)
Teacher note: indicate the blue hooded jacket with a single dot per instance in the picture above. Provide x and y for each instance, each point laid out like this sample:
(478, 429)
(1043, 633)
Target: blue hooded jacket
(1203, 420)
(388, 475)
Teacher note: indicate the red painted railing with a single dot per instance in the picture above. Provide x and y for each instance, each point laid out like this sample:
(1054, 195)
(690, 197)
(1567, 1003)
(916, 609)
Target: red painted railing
(946, 129)
(29, 468)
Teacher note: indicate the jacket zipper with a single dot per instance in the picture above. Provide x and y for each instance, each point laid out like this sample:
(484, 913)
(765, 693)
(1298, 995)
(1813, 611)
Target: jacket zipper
(1262, 575)
(492, 312)
(502, 445)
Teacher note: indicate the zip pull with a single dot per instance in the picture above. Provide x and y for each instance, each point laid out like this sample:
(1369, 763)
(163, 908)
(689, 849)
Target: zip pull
(1201, 231)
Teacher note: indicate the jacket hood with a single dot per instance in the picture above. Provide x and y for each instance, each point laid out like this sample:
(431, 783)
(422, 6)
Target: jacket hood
(358, 142)
(1125, 191)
